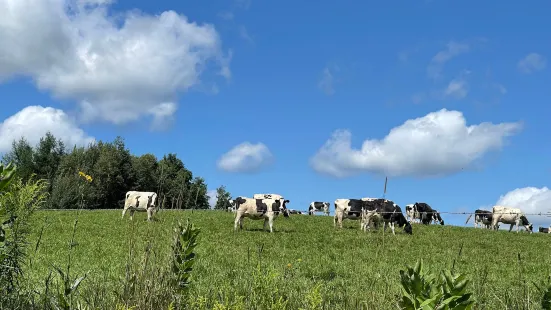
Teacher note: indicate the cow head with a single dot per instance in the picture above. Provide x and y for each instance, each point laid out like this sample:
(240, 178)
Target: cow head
(438, 218)
(310, 210)
(238, 201)
(526, 223)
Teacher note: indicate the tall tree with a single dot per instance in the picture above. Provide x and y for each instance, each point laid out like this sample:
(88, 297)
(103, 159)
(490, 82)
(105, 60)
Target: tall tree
(21, 155)
(47, 157)
(222, 198)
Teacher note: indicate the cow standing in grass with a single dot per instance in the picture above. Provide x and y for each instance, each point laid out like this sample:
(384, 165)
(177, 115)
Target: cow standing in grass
(513, 216)
(257, 209)
(347, 209)
(140, 201)
(482, 218)
(316, 206)
(427, 213)
(386, 211)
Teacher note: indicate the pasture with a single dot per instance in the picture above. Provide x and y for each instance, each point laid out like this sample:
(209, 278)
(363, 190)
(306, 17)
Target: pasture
(304, 261)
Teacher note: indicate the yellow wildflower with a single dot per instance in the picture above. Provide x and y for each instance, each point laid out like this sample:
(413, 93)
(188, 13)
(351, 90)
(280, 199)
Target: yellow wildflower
(299, 260)
(289, 265)
(85, 176)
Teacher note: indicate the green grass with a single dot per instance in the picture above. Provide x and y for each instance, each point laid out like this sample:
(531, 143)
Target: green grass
(303, 260)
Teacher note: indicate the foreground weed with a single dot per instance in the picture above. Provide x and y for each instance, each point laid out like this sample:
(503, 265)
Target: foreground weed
(421, 290)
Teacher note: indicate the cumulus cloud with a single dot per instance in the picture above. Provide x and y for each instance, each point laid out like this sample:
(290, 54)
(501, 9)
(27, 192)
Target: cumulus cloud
(245, 157)
(529, 200)
(437, 144)
(118, 68)
(212, 197)
(437, 62)
(531, 63)
(33, 122)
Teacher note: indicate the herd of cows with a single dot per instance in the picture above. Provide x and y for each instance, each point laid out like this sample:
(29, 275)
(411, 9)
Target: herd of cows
(370, 211)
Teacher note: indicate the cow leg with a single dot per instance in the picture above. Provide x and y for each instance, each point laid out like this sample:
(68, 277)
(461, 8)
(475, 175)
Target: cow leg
(149, 215)
(132, 214)
(271, 222)
(237, 220)
(511, 227)
(265, 222)
(392, 228)
(123, 212)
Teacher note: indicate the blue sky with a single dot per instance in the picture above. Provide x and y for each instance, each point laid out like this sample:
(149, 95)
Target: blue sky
(200, 78)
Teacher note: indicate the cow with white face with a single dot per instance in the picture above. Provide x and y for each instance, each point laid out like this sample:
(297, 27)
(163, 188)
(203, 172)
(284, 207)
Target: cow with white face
(412, 214)
(257, 209)
(140, 201)
(513, 216)
(231, 208)
(317, 206)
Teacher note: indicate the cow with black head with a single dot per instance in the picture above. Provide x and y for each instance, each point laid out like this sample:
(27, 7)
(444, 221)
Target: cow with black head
(257, 209)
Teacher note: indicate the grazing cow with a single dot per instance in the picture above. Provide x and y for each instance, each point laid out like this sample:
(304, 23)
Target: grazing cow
(513, 216)
(257, 209)
(545, 230)
(482, 217)
(140, 201)
(291, 211)
(427, 214)
(386, 211)
(316, 206)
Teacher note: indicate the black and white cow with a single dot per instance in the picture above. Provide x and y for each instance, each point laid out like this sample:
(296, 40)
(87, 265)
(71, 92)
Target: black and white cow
(545, 230)
(316, 206)
(231, 208)
(482, 217)
(257, 209)
(386, 211)
(292, 211)
(356, 209)
(412, 215)
(427, 214)
(347, 209)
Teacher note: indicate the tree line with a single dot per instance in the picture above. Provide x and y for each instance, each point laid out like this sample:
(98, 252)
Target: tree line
(114, 171)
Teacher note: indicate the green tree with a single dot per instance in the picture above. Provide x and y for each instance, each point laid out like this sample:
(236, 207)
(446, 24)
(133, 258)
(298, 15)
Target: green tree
(47, 158)
(223, 198)
(198, 194)
(21, 154)
(145, 172)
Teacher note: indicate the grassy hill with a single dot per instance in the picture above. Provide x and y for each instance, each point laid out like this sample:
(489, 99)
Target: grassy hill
(304, 260)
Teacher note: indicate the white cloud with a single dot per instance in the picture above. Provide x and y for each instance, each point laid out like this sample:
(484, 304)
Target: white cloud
(327, 81)
(531, 63)
(33, 122)
(530, 200)
(212, 197)
(118, 68)
(457, 88)
(437, 144)
(245, 157)
(452, 50)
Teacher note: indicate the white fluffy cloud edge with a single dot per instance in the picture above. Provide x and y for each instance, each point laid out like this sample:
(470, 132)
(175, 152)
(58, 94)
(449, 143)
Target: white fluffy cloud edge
(531, 200)
(33, 122)
(435, 145)
(246, 158)
(116, 67)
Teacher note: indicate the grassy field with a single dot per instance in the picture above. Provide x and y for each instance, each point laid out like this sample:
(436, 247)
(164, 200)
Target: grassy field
(304, 260)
